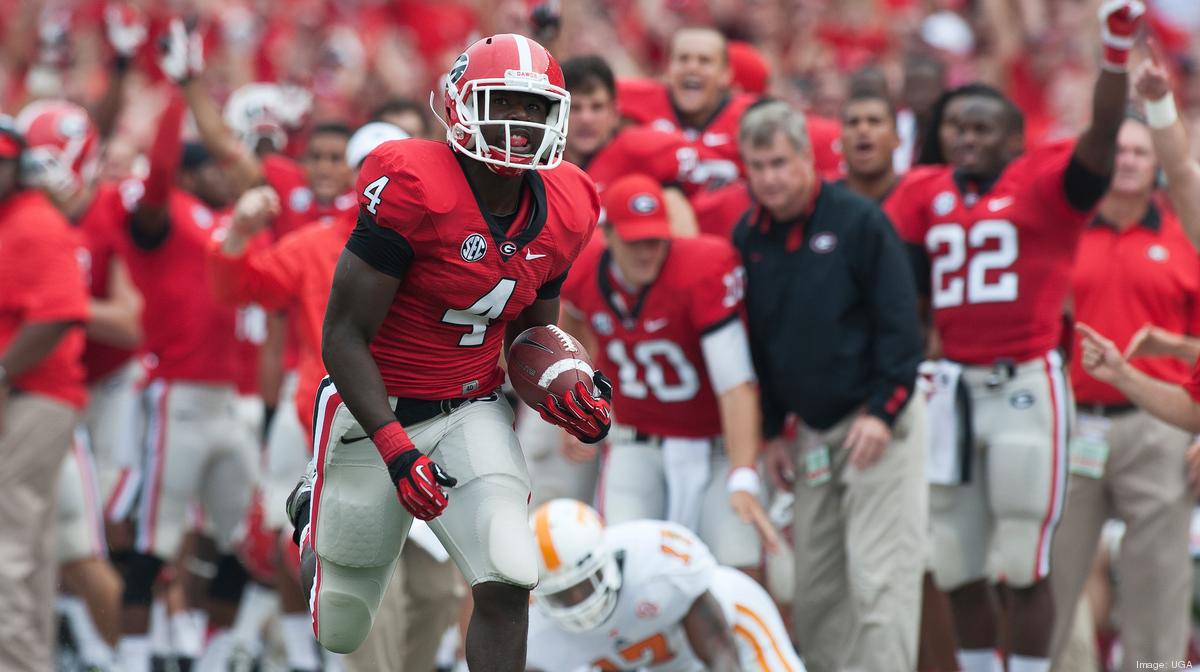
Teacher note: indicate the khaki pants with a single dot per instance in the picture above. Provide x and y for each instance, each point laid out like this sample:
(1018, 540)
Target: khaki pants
(860, 541)
(420, 604)
(1144, 483)
(35, 437)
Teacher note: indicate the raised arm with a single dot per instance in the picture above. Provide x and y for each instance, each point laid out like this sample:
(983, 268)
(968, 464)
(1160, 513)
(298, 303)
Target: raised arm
(126, 33)
(149, 220)
(184, 63)
(1171, 145)
(1097, 146)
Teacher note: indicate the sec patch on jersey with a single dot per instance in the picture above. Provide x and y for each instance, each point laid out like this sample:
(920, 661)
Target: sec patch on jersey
(547, 360)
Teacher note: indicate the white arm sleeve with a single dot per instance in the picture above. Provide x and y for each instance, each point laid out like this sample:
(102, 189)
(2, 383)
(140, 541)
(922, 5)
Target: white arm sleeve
(727, 356)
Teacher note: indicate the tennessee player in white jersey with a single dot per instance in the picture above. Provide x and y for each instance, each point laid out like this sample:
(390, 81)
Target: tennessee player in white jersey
(644, 595)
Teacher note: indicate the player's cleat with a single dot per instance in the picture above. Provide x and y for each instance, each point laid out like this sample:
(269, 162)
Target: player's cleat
(298, 502)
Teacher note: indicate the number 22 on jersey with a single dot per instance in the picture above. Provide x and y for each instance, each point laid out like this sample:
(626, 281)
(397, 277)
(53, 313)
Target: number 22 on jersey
(987, 250)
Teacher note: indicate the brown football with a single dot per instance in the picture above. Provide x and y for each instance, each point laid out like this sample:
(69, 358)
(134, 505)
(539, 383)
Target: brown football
(547, 359)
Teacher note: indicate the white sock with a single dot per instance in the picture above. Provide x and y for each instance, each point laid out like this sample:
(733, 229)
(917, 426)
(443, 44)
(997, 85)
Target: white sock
(187, 633)
(160, 630)
(216, 654)
(93, 650)
(299, 642)
(258, 604)
(980, 660)
(333, 661)
(133, 653)
(1028, 664)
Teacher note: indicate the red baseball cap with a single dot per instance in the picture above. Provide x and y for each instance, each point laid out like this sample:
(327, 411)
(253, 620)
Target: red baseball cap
(750, 70)
(634, 207)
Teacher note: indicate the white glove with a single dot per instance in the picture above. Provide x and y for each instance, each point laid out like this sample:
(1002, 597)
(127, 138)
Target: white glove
(125, 30)
(1119, 23)
(183, 53)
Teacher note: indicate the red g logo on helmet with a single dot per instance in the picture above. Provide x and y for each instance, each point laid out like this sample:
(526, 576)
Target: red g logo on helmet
(513, 63)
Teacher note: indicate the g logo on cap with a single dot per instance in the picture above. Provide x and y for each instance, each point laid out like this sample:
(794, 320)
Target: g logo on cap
(643, 204)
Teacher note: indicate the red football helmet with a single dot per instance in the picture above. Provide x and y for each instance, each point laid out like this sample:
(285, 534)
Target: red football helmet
(62, 145)
(506, 62)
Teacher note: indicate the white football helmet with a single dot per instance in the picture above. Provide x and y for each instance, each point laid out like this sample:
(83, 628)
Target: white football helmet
(260, 111)
(579, 575)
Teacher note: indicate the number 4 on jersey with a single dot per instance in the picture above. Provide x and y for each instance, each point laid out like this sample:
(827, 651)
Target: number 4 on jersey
(480, 314)
(372, 192)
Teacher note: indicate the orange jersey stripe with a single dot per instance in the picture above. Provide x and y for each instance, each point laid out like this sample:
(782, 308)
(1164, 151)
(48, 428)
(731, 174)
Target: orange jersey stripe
(758, 652)
(749, 613)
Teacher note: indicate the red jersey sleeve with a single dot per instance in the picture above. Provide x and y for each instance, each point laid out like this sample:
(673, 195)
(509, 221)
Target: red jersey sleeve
(909, 205)
(268, 276)
(391, 207)
(1043, 169)
(716, 297)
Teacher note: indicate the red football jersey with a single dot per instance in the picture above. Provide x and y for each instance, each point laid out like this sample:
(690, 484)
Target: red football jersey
(298, 206)
(188, 334)
(648, 103)
(666, 156)
(650, 341)
(102, 225)
(1001, 261)
(466, 278)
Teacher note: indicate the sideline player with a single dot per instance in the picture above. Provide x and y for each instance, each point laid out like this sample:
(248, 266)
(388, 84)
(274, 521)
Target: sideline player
(999, 228)
(644, 594)
(697, 100)
(459, 247)
(664, 312)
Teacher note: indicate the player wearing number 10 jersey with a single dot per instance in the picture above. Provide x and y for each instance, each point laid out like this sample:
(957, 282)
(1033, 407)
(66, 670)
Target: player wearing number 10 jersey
(999, 231)
(459, 247)
(665, 315)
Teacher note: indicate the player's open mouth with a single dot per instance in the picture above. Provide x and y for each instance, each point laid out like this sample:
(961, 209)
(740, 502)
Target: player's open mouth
(692, 84)
(864, 148)
(518, 142)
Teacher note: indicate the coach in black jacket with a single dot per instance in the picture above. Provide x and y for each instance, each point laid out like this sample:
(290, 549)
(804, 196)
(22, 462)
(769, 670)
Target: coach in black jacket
(836, 340)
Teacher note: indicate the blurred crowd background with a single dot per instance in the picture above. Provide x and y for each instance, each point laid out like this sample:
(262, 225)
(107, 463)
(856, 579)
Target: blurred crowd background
(355, 54)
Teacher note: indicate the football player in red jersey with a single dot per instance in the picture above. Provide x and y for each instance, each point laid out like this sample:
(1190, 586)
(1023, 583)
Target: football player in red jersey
(999, 228)
(459, 247)
(697, 101)
(664, 312)
(607, 148)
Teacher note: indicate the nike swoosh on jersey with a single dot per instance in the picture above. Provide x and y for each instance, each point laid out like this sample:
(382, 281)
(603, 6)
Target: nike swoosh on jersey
(997, 204)
(530, 256)
(656, 325)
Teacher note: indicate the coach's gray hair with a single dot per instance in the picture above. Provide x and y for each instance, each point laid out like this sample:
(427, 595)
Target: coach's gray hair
(761, 122)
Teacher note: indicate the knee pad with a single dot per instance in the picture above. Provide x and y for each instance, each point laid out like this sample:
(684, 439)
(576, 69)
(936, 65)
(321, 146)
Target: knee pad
(139, 572)
(510, 547)
(230, 580)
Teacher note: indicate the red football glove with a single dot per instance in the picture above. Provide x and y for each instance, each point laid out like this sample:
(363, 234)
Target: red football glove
(586, 417)
(418, 479)
(1119, 22)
